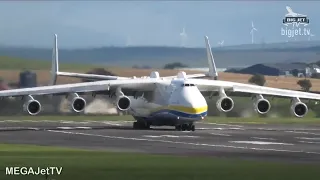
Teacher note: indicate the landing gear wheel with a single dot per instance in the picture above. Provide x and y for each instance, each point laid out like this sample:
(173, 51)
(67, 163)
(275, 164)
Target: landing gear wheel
(185, 127)
(192, 127)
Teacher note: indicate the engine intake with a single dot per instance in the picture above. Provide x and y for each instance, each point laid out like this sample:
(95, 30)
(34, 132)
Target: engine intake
(78, 104)
(225, 104)
(261, 105)
(299, 109)
(33, 107)
(123, 103)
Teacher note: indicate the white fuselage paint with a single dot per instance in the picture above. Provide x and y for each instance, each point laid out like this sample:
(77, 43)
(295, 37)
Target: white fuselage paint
(170, 103)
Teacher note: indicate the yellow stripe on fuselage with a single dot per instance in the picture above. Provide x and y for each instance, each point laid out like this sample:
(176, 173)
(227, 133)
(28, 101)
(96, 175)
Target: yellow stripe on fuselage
(184, 109)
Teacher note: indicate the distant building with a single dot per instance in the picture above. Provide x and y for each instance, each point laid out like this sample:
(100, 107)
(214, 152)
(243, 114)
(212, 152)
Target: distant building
(312, 69)
(276, 69)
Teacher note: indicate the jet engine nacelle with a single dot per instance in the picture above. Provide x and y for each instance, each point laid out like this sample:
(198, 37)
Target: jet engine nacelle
(32, 106)
(261, 105)
(225, 104)
(123, 103)
(298, 108)
(78, 103)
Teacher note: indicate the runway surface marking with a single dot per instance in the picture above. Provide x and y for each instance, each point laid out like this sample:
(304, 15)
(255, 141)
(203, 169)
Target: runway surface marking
(261, 142)
(262, 138)
(219, 124)
(309, 142)
(302, 132)
(309, 138)
(40, 128)
(184, 143)
(112, 123)
(220, 134)
(65, 127)
(201, 128)
(170, 136)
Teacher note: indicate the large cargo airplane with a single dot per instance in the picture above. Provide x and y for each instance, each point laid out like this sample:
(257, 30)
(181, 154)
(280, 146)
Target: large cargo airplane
(172, 101)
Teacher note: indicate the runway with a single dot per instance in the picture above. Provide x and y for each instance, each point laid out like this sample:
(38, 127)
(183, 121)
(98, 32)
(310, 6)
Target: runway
(296, 143)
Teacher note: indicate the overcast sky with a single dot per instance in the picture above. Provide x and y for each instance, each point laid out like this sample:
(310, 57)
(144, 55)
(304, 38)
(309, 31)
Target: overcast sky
(105, 23)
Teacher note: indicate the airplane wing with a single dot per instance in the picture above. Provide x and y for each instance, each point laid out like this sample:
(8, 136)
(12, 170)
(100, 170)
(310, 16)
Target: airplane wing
(126, 86)
(205, 85)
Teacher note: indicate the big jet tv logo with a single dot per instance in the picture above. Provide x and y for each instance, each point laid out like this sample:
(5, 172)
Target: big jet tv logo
(295, 24)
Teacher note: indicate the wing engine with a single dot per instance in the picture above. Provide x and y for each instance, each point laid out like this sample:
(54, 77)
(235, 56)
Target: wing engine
(224, 103)
(123, 103)
(78, 103)
(261, 105)
(298, 108)
(32, 106)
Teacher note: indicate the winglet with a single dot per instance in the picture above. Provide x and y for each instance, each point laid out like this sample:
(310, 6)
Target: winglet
(55, 63)
(212, 66)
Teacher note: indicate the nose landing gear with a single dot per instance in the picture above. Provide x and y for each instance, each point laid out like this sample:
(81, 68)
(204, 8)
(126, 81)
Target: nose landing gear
(185, 127)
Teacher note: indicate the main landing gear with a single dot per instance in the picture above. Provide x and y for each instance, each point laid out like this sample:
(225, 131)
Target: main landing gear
(185, 127)
(141, 125)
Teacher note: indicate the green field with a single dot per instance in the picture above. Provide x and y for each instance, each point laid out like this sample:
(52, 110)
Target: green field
(255, 120)
(85, 165)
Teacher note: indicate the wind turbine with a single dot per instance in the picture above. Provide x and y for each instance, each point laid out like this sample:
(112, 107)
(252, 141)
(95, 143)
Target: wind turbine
(184, 37)
(311, 35)
(221, 43)
(252, 31)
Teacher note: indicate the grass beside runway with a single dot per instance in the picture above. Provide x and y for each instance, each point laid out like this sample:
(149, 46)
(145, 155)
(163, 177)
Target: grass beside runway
(251, 120)
(83, 164)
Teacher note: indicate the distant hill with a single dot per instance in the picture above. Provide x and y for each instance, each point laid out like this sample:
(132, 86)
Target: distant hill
(233, 56)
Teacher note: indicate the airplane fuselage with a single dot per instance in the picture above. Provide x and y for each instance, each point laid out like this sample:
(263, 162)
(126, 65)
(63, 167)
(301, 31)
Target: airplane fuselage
(172, 103)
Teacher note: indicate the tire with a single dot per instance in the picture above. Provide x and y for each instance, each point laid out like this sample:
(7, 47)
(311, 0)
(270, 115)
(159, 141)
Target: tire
(193, 128)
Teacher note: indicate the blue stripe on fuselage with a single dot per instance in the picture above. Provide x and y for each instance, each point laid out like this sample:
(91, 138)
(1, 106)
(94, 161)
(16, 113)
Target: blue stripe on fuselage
(179, 114)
